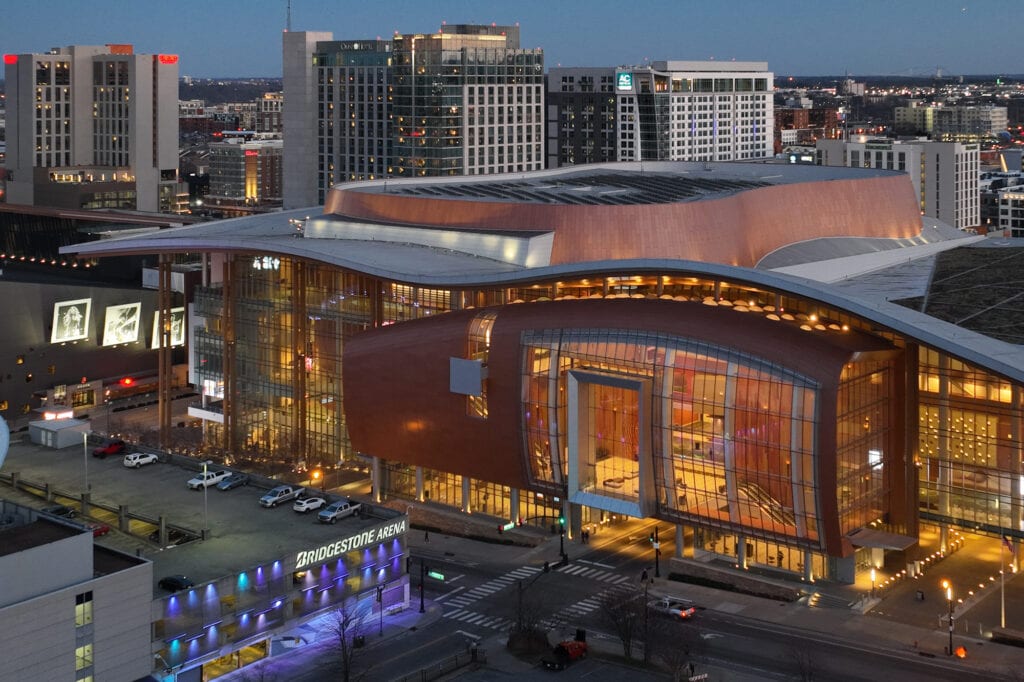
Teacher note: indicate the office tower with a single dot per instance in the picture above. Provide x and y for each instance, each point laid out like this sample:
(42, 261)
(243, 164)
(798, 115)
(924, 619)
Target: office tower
(467, 101)
(92, 127)
(667, 111)
(944, 174)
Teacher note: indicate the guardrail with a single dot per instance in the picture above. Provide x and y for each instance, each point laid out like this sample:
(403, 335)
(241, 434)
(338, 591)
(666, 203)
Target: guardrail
(85, 505)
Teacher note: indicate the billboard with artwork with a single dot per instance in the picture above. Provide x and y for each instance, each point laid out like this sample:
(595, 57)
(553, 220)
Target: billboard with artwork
(70, 320)
(177, 328)
(121, 324)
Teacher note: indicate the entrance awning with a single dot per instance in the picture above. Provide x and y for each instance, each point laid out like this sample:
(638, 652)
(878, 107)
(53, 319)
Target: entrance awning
(869, 537)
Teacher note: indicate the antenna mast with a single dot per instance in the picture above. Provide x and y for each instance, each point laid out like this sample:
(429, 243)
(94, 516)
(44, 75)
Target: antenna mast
(288, 23)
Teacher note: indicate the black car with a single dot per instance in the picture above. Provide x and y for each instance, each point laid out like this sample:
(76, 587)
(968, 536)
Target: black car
(61, 510)
(111, 447)
(233, 481)
(175, 583)
(174, 536)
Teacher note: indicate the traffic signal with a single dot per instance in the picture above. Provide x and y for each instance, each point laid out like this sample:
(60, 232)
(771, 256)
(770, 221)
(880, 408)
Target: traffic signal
(651, 538)
(561, 520)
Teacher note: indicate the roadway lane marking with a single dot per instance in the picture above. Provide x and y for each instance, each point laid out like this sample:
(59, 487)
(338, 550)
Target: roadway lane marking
(448, 594)
(596, 563)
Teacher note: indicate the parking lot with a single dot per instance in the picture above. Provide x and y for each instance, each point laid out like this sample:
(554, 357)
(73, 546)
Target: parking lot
(242, 534)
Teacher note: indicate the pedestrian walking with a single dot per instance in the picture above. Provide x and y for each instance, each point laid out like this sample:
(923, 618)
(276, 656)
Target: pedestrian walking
(643, 576)
(426, 536)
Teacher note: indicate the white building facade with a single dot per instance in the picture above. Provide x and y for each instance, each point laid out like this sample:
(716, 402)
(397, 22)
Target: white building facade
(92, 127)
(945, 175)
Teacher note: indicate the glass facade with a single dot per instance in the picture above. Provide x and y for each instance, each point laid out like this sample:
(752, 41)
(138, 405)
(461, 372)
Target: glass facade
(732, 437)
(731, 443)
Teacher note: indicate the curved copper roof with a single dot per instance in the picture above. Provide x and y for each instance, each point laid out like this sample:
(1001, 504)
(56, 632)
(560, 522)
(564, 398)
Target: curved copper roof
(733, 214)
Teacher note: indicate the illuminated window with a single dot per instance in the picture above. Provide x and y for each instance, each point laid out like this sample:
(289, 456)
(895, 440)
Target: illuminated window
(83, 609)
(83, 656)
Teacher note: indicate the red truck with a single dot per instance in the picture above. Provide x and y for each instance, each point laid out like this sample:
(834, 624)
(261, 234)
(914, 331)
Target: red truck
(565, 654)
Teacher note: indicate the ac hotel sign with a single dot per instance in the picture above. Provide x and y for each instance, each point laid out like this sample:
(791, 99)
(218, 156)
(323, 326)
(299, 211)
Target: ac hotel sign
(371, 536)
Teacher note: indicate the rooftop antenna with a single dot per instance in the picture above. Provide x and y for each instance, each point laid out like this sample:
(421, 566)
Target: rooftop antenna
(288, 21)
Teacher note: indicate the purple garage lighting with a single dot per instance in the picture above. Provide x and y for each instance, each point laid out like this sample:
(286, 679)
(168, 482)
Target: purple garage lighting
(173, 606)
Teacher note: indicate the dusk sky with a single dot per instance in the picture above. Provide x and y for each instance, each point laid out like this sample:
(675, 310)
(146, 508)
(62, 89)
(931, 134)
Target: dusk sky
(238, 38)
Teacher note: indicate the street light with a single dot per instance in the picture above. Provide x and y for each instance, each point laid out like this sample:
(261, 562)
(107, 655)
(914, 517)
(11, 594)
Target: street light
(205, 508)
(872, 582)
(85, 457)
(380, 600)
(949, 598)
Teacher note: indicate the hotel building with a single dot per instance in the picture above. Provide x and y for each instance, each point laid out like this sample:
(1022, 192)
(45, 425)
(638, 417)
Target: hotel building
(92, 127)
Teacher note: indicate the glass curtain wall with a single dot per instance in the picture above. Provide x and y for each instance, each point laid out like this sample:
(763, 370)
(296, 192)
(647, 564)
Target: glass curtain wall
(734, 436)
(969, 431)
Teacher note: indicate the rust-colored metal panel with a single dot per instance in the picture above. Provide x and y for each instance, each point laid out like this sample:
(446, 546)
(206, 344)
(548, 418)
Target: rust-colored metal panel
(398, 405)
(736, 230)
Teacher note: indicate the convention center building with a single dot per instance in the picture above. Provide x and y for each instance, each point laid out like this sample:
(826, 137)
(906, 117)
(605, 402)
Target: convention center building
(699, 343)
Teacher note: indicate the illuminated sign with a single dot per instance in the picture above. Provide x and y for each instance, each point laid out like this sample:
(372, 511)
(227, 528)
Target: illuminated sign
(167, 58)
(177, 320)
(10, 59)
(251, 152)
(358, 541)
(70, 320)
(624, 81)
(121, 324)
(266, 263)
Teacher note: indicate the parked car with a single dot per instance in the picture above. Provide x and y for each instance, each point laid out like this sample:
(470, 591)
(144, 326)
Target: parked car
(137, 459)
(174, 537)
(61, 510)
(676, 608)
(308, 504)
(233, 481)
(98, 529)
(110, 447)
(175, 583)
(206, 479)
(338, 510)
(282, 493)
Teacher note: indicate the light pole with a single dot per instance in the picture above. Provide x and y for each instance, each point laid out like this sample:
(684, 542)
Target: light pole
(85, 458)
(949, 599)
(205, 508)
(380, 600)
(872, 582)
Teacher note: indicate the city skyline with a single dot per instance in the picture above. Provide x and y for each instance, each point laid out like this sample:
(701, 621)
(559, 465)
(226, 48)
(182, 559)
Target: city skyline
(796, 37)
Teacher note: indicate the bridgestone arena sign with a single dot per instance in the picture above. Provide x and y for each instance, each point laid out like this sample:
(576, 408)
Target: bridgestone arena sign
(357, 541)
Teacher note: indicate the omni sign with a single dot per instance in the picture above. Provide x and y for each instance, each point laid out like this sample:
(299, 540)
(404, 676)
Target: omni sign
(357, 541)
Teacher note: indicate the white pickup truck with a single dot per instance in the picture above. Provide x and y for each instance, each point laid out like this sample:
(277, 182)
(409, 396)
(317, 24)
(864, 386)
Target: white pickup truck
(204, 479)
(338, 510)
(282, 493)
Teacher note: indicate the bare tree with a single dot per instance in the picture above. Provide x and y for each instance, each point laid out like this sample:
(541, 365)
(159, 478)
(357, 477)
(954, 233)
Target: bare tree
(674, 645)
(624, 609)
(803, 662)
(347, 626)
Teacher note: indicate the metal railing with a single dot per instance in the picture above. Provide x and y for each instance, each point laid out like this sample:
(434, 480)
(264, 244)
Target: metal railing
(446, 666)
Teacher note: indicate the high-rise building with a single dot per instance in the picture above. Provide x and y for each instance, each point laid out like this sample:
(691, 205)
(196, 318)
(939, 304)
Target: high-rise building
(466, 100)
(245, 174)
(353, 110)
(300, 117)
(268, 115)
(667, 111)
(945, 175)
(92, 127)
